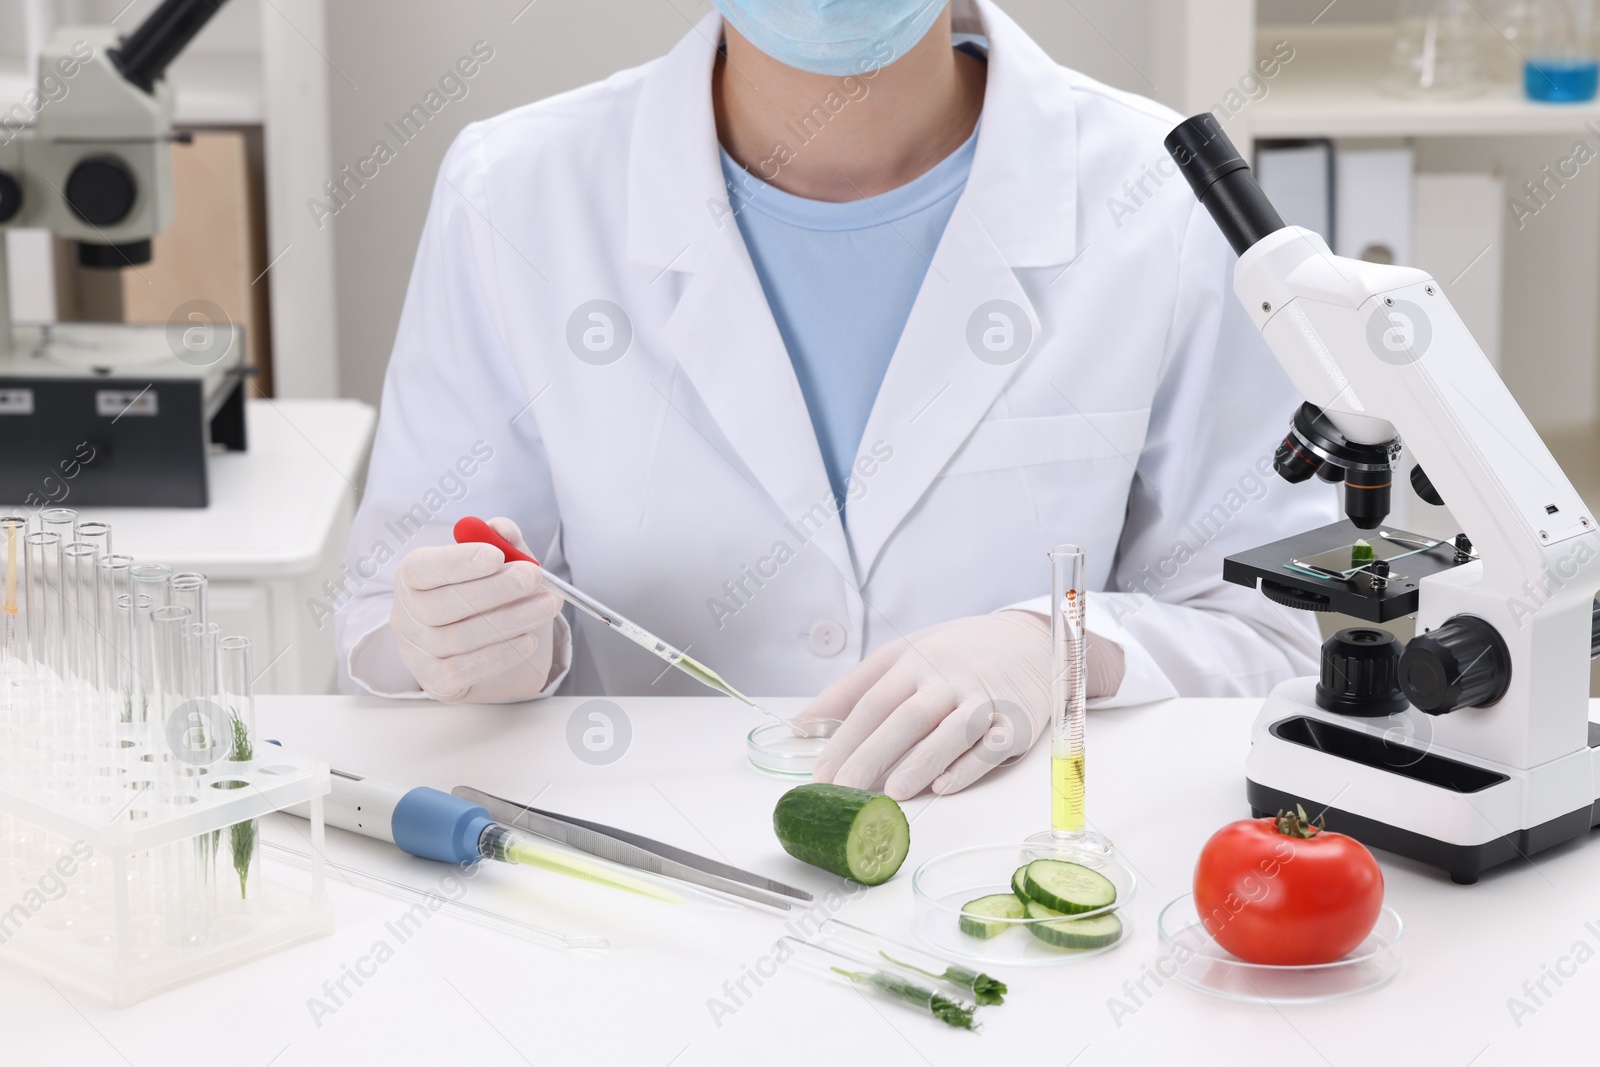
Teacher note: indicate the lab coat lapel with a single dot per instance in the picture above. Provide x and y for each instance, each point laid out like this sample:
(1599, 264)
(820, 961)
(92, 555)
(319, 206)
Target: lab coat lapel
(973, 325)
(970, 329)
(724, 337)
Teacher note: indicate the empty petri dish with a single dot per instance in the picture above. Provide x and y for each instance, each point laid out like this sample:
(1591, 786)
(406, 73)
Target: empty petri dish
(789, 750)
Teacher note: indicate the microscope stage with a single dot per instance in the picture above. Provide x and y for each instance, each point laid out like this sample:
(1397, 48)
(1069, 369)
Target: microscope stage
(1301, 571)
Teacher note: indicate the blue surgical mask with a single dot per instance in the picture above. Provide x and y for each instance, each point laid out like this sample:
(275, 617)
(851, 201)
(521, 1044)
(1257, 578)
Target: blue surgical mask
(834, 37)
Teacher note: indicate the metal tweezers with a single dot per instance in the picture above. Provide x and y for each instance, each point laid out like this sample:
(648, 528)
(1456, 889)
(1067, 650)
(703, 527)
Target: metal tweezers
(633, 850)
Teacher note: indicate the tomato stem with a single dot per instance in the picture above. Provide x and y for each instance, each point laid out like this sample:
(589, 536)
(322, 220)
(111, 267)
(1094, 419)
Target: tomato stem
(1296, 823)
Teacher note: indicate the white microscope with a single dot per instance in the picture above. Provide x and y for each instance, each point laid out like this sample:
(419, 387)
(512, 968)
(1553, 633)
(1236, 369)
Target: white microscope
(128, 414)
(1473, 746)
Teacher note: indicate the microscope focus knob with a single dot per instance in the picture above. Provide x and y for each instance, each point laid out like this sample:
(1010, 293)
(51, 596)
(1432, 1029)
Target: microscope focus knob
(10, 196)
(1463, 663)
(101, 190)
(1361, 673)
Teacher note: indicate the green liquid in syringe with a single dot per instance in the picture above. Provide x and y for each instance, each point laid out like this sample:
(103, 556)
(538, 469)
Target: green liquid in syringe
(520, 850)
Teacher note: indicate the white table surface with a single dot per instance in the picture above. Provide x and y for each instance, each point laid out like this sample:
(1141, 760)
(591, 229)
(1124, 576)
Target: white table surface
(1163, 777)
(272, 505)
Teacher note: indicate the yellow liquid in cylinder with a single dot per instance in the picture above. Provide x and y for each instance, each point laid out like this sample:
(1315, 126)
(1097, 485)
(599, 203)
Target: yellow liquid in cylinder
(1066, 793)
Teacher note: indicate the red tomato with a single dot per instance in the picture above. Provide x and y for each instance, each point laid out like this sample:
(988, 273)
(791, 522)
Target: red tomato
(1282, 891)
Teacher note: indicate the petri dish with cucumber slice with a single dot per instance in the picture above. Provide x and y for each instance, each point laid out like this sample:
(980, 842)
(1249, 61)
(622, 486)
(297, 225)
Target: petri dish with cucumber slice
(1027, 904)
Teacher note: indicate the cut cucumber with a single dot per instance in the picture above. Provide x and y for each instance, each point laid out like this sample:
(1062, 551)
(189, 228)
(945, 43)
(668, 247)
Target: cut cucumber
(1068, 888)
(1097, 931)
(1016, 884)
(985, 916)
(852, 833)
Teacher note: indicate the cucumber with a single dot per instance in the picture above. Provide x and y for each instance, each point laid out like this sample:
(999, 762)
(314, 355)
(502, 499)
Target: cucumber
(850, 832)
(1097, 931)
(1016, 884)
(984, 917)
(1068, 888)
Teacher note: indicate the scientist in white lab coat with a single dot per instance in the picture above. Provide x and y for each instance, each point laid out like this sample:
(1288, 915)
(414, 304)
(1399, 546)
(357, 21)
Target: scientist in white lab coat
(801, 346)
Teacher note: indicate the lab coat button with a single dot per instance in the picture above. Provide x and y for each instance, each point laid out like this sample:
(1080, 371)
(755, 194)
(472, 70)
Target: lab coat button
(827, 638)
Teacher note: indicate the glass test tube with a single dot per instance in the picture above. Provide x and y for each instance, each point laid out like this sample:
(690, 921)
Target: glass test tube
(78, 561)
(203, 642)
(97, 534)
(152, 581)
(63, 522)
(114, 621)
(78, 631)
(236, 692)
(142, 656)
(42, 574)
(1068, 691)
(173, 675)
(188, 590)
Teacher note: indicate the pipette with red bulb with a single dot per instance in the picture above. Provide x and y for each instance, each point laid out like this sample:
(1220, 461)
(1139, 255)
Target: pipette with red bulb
(472, 530)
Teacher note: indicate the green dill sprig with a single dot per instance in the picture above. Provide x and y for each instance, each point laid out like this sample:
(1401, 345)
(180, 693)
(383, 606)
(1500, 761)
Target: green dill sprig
(941, 1007)
(242, 835)
(985, 990)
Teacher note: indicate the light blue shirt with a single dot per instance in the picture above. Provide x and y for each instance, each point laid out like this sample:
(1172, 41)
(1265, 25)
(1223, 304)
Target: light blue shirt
(841, 279)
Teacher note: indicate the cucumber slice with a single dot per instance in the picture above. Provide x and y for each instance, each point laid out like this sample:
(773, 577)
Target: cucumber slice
(1097, 931)
(981, 917)
(1068, 888)
(852, 833)
(1016, 884)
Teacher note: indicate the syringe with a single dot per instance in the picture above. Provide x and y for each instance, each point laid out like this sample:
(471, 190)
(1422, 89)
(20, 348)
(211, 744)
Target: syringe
(438, 826)
(475, 531)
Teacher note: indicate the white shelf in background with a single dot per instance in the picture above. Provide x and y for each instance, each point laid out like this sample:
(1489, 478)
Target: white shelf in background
(1330, 89)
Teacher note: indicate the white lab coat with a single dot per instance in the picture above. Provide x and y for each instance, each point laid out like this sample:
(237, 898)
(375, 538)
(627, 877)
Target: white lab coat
(682, 483)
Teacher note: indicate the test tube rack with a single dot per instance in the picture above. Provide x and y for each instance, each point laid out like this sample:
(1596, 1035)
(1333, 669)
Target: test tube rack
(114, 891)
(130, 859)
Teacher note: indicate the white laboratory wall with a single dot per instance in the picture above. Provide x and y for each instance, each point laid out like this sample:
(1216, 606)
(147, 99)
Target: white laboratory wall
(1343, 11)
(388, 53)
(1549, 333)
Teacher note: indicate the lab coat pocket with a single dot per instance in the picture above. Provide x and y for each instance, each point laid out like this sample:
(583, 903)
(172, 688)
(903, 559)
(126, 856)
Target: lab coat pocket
(1074, 469)
(1003, 444)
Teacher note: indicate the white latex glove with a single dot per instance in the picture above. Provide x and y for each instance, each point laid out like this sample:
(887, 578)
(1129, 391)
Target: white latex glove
(472, 627)
(947, 705)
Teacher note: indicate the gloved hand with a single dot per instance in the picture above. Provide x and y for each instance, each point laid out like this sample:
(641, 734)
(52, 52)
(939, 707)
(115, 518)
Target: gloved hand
(472, 627)
(955, 701)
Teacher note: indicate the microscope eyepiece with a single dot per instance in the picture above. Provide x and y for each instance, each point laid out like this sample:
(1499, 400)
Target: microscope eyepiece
(1222, 181)
(144, 54)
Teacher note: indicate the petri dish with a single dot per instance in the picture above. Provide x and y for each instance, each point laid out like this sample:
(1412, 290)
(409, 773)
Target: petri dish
(789, 750)
(1202, 964)
(943, 884)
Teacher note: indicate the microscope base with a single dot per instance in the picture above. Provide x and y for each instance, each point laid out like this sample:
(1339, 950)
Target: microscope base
(1390, 784)
(1464, 863)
